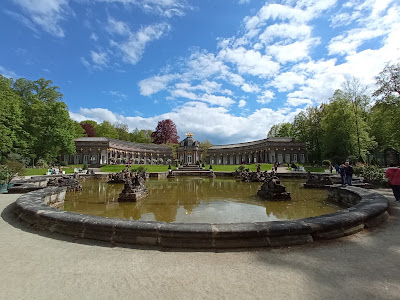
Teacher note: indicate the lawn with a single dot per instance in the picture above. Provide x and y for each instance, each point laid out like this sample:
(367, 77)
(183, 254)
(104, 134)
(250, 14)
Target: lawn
(232, 168)
(68, 170)
(315, 169)
(150, 168)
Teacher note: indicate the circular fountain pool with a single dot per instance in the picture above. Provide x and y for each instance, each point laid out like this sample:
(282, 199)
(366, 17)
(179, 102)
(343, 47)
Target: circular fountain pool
(199, 200)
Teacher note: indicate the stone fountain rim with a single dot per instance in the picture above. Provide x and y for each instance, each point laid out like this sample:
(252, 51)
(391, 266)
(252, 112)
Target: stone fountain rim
(370, 210)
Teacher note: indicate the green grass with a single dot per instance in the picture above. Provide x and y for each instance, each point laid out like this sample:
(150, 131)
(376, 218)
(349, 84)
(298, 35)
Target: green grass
(150, 168)
(232, 168)
(32, 172)
(315, 169)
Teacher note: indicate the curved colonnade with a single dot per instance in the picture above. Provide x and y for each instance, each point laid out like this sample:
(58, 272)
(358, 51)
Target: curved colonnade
(270, 150)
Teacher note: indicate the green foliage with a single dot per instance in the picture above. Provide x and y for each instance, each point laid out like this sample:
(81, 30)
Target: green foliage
(281, 130)
(240, 168)
(385, 122)
(307, 128)
(370, 173)
(140, 136)
(42, 163)
(85, 166)
(106, 129)
(326, 163)
(5, 175)
(205, 145)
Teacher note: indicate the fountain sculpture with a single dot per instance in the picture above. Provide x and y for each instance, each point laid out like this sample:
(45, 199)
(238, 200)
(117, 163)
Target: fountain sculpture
(273, 190)
(134, 188)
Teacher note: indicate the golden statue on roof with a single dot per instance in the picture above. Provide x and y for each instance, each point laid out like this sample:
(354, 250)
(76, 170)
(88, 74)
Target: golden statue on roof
(189, 134)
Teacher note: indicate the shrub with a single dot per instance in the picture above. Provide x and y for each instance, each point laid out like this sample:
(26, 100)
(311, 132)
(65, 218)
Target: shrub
(5, 175)
(42, 163)
(326, 163)
(373, 174)
(240, 168)
(141, 169)
(85, 166)
(63, 163)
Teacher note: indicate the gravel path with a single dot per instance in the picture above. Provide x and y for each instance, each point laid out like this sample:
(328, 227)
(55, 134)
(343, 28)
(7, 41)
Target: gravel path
(40, 265)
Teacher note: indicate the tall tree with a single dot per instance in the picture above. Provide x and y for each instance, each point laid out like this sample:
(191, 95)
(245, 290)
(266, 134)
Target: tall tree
(354, 91)
(205, 145)
(165, 133)
(307, 128)
(89, 129)
(51, 130)
(11, 132)
(122, 130)
(281, 130)
(388, 81)
(106, 129)
(140, 136)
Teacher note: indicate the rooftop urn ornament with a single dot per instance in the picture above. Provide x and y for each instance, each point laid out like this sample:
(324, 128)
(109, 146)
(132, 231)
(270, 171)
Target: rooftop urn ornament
(189, 134)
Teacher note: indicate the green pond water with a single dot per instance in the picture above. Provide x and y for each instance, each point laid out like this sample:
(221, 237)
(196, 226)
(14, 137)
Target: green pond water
(199, 200)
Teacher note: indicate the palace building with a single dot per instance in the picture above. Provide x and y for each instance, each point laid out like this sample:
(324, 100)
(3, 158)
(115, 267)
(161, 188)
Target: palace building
(103, 150)
(189, 151)
(270, 150)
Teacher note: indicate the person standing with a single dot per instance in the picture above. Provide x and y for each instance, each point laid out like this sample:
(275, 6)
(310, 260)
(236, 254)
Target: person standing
(393, 175)
(342, 174)
(337, 168)
(349, 171)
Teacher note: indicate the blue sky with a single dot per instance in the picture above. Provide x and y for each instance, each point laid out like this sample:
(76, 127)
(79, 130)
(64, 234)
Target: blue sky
(225, 70)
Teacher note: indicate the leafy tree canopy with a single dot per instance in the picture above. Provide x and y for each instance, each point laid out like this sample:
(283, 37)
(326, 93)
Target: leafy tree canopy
(165, 133)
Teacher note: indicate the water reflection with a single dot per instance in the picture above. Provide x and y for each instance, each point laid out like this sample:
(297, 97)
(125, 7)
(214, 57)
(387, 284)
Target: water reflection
(198, 200)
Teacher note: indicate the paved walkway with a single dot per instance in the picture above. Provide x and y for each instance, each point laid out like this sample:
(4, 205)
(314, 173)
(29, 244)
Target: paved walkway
(40, 265)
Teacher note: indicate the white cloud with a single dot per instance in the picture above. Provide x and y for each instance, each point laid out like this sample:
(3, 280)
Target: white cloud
(287, 81)
(117, 27)
(250, 88)
(8, 73)
(166, 8)
(265, 97)
(293, 52)
(179, 93)
(250, 61)
(94, 37)
(242, 103)
(285, 31)
(99, 58)
(217, 100)
(155, 84)
(133, 48)
(46, 14)
(226, 128)
(298, 101)
(116, 94)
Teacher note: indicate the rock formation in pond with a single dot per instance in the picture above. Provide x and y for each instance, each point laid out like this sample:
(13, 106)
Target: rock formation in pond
(71, 182)
(273, 190)
(315, 181)
(134, 188)
(253, 176)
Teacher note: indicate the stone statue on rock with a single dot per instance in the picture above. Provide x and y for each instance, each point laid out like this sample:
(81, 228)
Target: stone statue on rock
(71, 182)
(134, 188)
(317, 181)
(273, 190)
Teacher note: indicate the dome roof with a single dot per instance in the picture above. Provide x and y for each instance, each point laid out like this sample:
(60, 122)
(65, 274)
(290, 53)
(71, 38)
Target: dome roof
(189, 142)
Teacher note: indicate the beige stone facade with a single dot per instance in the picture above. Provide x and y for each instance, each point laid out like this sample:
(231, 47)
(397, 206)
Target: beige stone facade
(270, 150)
(102, 150)
(189, 151)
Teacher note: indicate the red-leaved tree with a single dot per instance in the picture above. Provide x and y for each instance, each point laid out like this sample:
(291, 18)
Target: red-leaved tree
(165, 133)
(89, 129)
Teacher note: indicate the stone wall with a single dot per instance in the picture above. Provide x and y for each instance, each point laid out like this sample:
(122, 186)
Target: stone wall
(370, 210)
